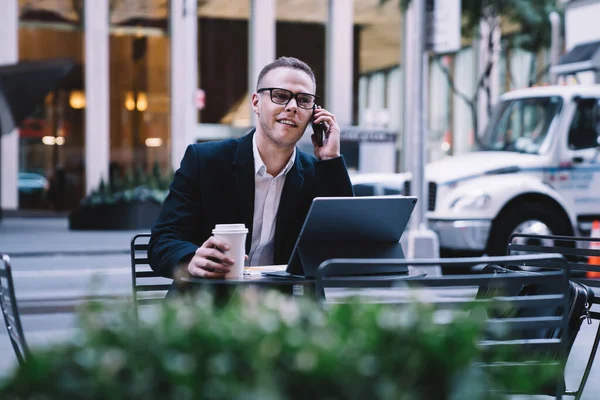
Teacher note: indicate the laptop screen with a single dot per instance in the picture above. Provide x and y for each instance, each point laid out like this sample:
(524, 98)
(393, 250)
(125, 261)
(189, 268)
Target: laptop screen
(350, 227)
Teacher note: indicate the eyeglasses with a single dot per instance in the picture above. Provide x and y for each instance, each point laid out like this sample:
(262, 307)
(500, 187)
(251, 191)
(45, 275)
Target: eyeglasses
(284, 96)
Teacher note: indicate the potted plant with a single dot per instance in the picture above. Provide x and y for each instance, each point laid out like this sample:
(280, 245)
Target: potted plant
(265, 346)
(131, 203)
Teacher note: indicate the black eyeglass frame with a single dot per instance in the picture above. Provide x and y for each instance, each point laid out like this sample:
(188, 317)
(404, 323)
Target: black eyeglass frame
(293, 96)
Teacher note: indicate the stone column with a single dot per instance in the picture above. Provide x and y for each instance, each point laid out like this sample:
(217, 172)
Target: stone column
(97, 122)
(339, 60)
(9, 143)
(184, 75)
(261, 42)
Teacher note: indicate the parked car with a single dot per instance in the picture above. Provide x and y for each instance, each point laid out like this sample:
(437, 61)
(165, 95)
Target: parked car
(33, 189)
(378, 184)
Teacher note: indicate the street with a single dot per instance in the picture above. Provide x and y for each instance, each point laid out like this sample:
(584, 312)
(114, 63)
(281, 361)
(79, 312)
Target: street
(53, 269)
(66, 266)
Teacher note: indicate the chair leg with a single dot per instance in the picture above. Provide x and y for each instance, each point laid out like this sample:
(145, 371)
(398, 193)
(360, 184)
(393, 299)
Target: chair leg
(18, 354)
(588, 367)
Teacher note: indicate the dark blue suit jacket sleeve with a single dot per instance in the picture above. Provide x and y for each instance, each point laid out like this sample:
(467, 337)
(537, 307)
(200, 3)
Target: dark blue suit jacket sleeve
(332, 178)
(174, 233)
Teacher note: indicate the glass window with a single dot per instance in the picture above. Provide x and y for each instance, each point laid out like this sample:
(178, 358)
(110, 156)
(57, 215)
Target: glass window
(139, 53)
(583, 133)
(51, 139)
(521, 125)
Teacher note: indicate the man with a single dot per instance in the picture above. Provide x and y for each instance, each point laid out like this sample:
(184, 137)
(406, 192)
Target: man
(261, 180)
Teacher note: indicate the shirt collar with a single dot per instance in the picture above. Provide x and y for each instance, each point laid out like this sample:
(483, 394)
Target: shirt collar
(259, 165)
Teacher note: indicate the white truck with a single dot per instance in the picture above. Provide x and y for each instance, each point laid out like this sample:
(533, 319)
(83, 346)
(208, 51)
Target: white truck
(537, 171)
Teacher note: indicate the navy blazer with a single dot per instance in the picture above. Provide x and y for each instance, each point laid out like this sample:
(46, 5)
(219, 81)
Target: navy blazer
(215, 185)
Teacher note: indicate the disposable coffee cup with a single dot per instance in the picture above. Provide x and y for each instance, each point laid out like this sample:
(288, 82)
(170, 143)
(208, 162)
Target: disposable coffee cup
(235, 236)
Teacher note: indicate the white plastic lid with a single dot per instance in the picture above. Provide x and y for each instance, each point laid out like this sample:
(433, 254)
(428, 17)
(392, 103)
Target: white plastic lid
(229, 228)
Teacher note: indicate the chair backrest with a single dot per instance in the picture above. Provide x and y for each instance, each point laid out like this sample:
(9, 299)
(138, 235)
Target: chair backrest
(147, 286)
(10, 310)
(379, 273)
(454, 291)
(574, 249)
(577, 252)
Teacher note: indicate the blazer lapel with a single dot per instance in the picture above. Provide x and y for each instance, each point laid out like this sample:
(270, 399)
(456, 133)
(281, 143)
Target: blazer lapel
(243, 172)
(288, 203)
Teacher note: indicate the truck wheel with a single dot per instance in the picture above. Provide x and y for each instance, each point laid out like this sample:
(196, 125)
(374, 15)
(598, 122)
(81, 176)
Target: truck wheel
(531, 218)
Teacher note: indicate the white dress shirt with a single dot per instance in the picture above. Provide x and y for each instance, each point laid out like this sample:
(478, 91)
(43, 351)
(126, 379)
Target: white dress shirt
(267, 195)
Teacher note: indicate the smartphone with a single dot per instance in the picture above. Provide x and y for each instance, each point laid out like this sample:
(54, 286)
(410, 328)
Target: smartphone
(318, 129)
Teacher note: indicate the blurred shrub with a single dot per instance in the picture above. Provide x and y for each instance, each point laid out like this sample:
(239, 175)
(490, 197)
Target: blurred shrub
(266, 346)
(136, 186)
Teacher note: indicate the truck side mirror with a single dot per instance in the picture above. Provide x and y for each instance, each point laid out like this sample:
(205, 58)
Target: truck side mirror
(596, 122)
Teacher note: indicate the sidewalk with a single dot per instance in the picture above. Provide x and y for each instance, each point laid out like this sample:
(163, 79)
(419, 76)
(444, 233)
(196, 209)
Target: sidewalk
(19, 236)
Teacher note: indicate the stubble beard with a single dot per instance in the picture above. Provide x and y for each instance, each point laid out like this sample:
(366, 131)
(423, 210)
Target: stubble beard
(280, 141)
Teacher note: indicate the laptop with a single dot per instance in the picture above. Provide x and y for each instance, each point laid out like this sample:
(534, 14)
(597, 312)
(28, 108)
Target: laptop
(349, 227)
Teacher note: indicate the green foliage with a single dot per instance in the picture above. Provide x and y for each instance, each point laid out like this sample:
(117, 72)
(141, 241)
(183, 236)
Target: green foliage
(264, 346)
(102, 187)
(156, 177)
(402, 3)
(536, 31)
(139, 177)
(136, 186)
(531, 16)
(129, 181)
(116, 185)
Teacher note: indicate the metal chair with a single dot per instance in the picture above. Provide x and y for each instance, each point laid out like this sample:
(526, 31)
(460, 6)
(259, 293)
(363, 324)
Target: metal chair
(575, 251)
(10, 310)
(528, 331)
(147, 286)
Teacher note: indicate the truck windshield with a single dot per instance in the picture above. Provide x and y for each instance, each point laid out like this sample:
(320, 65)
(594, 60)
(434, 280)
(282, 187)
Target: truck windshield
(521, 125)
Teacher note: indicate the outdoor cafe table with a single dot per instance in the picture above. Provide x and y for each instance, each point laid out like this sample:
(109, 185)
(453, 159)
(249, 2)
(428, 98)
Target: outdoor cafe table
(253, 276)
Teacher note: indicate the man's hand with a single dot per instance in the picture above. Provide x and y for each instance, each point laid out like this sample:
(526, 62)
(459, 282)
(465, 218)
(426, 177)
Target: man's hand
(331, 141)
(209, 260)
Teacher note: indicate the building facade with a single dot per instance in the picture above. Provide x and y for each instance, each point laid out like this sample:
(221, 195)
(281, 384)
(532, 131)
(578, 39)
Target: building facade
(152, 76)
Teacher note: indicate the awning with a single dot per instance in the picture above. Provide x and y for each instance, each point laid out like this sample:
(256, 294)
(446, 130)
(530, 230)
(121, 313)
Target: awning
(583, 57)
(23, 86)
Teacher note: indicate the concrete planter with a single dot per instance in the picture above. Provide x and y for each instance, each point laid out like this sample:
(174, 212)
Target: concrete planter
(119, 216)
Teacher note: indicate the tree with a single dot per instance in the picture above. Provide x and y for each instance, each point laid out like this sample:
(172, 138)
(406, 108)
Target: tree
(532, 17)
(535, 34)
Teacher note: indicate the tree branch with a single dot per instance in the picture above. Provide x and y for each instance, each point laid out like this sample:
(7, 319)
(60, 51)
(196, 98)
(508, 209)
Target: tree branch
(511, 75)
(486, 74)
(450, 81)
(471, 103)
(542, 73)
(488, 71)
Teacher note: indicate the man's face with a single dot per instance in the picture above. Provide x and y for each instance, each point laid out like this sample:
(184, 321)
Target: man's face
(282, 125)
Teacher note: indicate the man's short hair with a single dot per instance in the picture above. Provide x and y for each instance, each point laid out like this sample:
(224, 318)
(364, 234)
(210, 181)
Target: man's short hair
(287, 62)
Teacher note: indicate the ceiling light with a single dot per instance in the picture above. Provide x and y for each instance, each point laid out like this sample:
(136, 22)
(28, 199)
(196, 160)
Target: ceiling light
(129, 101)
(142, 102)
(154, 142)
(77, 99)
(49, 140)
